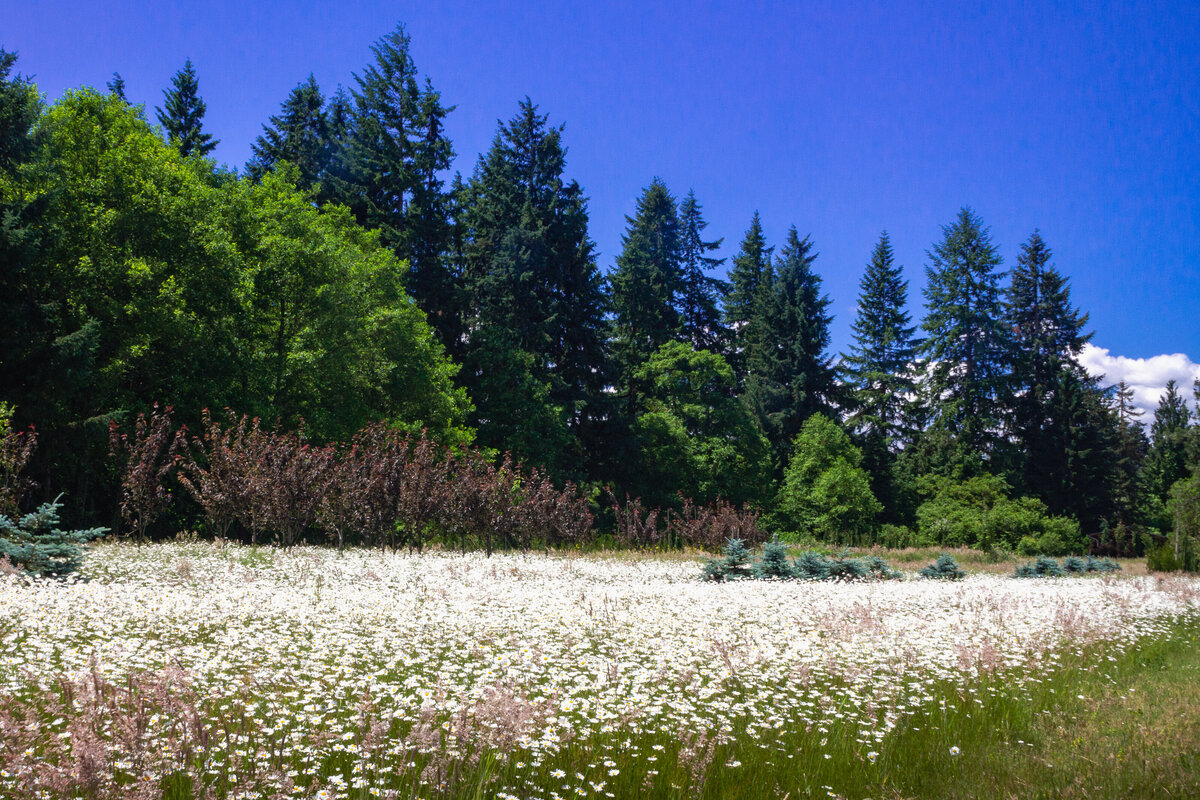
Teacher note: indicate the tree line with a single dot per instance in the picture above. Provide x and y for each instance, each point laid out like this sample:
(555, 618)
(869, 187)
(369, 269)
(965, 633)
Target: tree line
(342, 279)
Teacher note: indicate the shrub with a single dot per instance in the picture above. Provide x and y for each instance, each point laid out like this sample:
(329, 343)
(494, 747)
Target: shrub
(1101, 565)
(707, 527)
(945, 569)
(1043, 567)
(151, 455)
(214, 473)
(1162, 558)
(636, 526)
(774, 561)
(35, 543)
(735, 565)
(16, 448)
(979, 513)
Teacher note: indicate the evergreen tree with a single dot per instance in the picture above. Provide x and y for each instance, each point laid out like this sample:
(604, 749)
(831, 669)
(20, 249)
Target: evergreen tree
(879, 367)
(1166, 462)
(967, 346)
(182, 114)
(299, 135)
(1047, 337)
(117, 86)
(389, 173)
(647, 279)
(790, 375)
(743, 304)
(529, 271)
(700, 295)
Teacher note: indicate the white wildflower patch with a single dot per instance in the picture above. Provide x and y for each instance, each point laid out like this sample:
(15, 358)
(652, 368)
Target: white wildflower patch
(383, 664)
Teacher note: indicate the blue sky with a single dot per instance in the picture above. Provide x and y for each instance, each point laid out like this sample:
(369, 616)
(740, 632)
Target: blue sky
(841, 118)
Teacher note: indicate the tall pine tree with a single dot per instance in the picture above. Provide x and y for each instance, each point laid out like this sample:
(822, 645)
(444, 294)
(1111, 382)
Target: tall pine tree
(299, 134)
(744, 302)
(647, 279)
(966, 346)
(182, 113)
(1047, 336)
(790, 375)
(389, 173)
(878, 370)
(532, 283)
(1166, 462)
(699, 301)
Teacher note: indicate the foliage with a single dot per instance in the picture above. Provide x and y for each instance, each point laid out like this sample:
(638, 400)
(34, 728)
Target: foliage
(696, 438)
(749, 282)
(825, 492)
(966, 346)
(300, 135)
(533, 299)
(151, 454)
(737, 563)
(16, 449)
(1043, 567)
(945, 568)
(35, 543)
(789, 375)
(182, 113)
(979, 513)
(1185, 533)
(708, 526)
(699, 300)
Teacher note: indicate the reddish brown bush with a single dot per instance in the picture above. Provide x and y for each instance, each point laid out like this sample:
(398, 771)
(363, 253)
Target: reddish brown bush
(710, 527)
(151, 454)
(15, 451)
(636, 526)
(549, 515)
(213, 473)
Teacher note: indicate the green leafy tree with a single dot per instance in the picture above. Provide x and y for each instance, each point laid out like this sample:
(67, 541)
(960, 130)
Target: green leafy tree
(879, 368)
(696, 438)
(825, 491)
(750, 280)
(300, 134)
(699, 301)
(182, 113)
(967, 346)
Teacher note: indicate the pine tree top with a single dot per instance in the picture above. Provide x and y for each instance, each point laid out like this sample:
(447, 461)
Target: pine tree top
(182, 113)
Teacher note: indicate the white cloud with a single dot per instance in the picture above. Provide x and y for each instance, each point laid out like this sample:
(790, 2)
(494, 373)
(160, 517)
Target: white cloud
(1146, 376)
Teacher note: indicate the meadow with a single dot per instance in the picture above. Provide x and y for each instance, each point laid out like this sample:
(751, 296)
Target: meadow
(211, 670)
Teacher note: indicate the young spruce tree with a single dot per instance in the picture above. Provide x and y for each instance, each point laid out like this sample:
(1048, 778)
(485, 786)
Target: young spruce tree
(879, 367)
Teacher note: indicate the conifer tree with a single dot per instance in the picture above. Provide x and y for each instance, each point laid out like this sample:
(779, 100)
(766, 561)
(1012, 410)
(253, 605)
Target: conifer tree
(299, 134)
(117, 86)
(529, 270)
(966, 346)
(1166, 462)
(182, 114)
(1047, 337)
(647, 279)
(789, 372)
(700, 296)
(389, 173)
(743, 304)
(879, 368)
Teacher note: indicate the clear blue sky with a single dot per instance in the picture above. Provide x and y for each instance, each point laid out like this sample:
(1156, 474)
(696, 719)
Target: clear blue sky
(842, 118)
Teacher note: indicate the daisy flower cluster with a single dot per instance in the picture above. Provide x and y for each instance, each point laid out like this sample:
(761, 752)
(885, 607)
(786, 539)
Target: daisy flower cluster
(241, 672)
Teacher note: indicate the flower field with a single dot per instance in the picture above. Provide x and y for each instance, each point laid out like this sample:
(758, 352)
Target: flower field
(203, 670)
